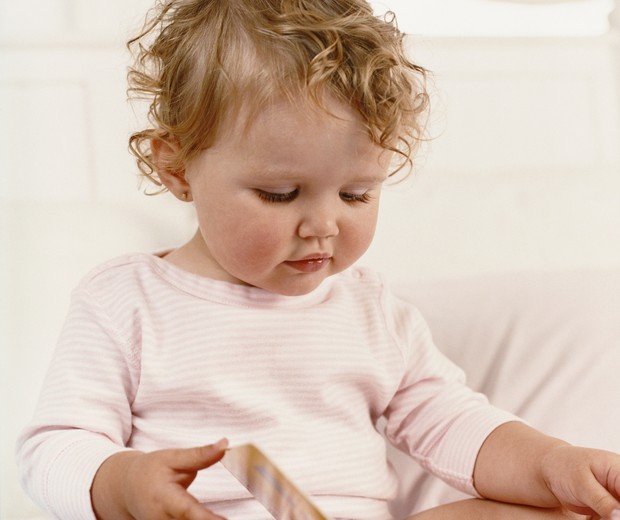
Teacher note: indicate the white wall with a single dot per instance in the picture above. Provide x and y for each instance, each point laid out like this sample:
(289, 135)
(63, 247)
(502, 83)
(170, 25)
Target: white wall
(499, 17)
(68, 196)
(523, 173)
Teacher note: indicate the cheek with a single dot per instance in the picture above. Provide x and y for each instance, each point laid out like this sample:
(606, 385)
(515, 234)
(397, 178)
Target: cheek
(254, 245)
(360, 232)
(248, 240)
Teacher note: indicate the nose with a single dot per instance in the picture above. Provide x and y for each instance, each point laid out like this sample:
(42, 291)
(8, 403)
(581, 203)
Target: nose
(319, 222)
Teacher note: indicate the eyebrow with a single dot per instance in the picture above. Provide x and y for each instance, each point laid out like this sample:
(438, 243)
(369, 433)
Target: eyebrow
(290, 175)
(371, 178)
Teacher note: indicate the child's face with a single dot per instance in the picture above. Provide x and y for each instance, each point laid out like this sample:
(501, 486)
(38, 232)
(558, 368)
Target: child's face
(289, 202)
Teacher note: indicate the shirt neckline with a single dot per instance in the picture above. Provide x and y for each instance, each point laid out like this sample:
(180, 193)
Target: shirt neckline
(228, 293)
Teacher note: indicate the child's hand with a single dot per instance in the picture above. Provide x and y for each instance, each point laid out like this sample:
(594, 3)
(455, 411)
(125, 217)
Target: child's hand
(585, 481)
(153, 486)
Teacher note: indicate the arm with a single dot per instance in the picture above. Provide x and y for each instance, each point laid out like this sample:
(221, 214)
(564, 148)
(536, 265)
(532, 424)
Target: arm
(73, 455)
(83, 416)
(150, 486)
(434, 416)
(518, 464)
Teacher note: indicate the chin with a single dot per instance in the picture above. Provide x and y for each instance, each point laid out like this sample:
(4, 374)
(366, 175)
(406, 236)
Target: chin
(295, 291)
(297, 288)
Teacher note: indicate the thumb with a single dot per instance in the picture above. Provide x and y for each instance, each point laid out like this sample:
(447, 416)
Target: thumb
(601, 502)
(606, 490)
(199, 457)
(606, 506)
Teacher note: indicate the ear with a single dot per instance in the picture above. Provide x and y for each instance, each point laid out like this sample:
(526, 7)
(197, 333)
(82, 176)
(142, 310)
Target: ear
(164, 153)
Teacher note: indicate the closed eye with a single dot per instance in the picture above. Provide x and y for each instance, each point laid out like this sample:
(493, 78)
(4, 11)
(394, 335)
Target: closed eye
(275, 197)
(356, 197)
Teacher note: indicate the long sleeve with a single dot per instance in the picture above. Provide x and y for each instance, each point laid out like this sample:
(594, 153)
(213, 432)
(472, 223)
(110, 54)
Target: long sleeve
(83, 415)
(434, 416)
(152, 357)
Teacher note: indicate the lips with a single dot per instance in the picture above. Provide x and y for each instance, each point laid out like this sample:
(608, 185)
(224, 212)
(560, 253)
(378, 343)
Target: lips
(310, 263)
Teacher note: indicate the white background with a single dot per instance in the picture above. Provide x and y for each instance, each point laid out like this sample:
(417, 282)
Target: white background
(500, 17)
(522, 173)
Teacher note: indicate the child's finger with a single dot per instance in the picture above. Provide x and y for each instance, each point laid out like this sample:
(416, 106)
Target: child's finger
(605, 492)
(200, 457)
(601, 501)
(185, 507)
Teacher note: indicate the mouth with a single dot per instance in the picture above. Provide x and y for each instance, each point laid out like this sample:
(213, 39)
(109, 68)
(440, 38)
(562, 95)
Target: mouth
(310, 263)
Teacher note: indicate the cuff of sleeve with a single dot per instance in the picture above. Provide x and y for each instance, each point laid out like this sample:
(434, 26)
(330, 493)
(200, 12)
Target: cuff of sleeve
(71, 475)
(461, 445)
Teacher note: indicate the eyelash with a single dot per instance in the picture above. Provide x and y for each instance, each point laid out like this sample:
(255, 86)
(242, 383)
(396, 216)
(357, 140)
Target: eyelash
(268, 196)
(275, 198)
(352, 198)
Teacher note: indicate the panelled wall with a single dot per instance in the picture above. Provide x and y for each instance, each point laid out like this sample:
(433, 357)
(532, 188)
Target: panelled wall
(522, 168)
(522, 172)
(69, 194)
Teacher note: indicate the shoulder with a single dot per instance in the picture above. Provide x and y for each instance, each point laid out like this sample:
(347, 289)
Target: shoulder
(376, 286)
(118, 295)
(372, 304)
(362, 279)
(371, 289)
(122, 282)
(125, 269)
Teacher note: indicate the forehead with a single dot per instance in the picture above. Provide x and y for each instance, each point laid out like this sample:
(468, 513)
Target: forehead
(284, 142)
(283, 126)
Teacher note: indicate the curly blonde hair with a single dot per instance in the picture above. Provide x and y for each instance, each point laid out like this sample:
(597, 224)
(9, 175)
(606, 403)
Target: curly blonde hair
(197, 61)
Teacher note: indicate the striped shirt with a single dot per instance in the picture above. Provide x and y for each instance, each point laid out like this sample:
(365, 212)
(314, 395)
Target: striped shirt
(154, 357)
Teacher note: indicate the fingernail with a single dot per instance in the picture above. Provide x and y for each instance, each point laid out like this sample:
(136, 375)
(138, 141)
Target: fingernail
(222, 444)
(615, 515)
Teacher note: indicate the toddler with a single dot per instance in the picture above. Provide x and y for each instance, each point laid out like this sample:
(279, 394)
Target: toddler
(279, 120)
